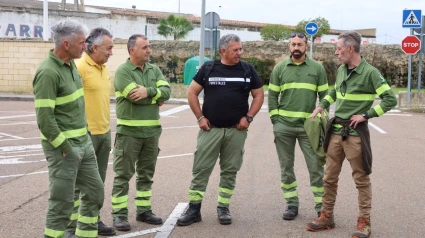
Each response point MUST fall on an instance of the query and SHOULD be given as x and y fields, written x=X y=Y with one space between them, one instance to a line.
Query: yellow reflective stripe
x=56 y=142
x=294 y=114
x=142 y=203
x=160 y=83
x=118 y=94
x=274 y=112
x=329 y=99
x=87 y=220
x=356 y=97
x=83 y=233
x=382 y=89
x=317 y=189
x=318 y=199
x=121 y=205
x=77 y=203
x=337 y=125
x=223 y=200
x=274 y=87
x=144 y=193
x=138 y=122
x=378 y=110
x=195 y=195
x=290 y=194
x=298 y=85
x=75 y=133
x=127 y=89
x=53 y=233
x=119 y=199
x=71 y=97
x=225 y=190
x=289 y=186
x=45 y=103
x=322 y=88
x=74 y=216
x=158 y=94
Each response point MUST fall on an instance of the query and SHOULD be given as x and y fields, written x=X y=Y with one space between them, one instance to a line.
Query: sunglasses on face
x=300 y=35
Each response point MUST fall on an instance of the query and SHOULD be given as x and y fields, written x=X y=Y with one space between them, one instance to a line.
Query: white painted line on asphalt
x=138 y=233
x=401 y=115
x=15 y=156
x=15 y=137
x=20 y=175
x=31 y=138
x=174 y=110
x=172 y=156
x=17 y=116
x=20 y=123
x=165 y=230
x=377 y=128
x=26 y=151
x=16 y=161
x=19 y=147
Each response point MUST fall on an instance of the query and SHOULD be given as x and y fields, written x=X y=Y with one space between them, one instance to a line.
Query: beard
x=297 y=54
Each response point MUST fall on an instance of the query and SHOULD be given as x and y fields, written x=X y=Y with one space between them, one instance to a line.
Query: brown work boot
x=324 y=222
x=363 y=228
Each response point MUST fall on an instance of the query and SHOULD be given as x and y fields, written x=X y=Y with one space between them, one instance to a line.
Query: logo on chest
x=217 y=81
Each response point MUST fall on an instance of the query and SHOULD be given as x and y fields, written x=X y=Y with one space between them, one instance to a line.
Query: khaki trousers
x=338 y=150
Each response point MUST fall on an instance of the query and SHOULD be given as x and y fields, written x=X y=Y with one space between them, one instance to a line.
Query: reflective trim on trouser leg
x=53 y=233
x=224 y=196
x=143 y=199
x=119 y=202
x=196 y=196
x=86 y=233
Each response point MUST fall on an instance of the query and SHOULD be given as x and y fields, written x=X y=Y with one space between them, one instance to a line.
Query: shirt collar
x=359 y=69
x=90 y=61
x=307 y=61
x=134 y=67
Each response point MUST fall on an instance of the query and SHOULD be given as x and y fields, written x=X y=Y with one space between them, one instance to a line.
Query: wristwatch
x=249 y=118
x=365 y=115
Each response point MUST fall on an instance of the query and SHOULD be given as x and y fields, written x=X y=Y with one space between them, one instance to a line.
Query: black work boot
x=121 y=224
x=290 y=213
x=104 y=230
x=70 y=234
x=224 y=215
x=192 y=214
x=149 y=217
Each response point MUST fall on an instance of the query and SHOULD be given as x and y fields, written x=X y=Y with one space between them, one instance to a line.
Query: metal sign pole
x=409 y=76
x=311 y=47
x=421 y=38
x=202 y=42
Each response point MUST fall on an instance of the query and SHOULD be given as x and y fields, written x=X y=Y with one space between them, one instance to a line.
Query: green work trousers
x=285 y=139
x=228 y=143
x=102 y=148
x=133 y=155
x=78 y=168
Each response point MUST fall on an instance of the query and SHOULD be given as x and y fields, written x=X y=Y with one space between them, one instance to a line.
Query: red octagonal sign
x=411 y=45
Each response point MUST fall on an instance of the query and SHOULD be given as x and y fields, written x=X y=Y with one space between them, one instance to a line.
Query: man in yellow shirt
x=97 y=89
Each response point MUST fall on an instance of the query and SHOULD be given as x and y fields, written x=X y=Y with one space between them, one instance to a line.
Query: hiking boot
x=70 y=234
x=363 y=229
x=324 y=222
x=149 y=217
x=104 y=230
x=224 y=215
x=121 y=224
x=192 y=214
x=290 y=213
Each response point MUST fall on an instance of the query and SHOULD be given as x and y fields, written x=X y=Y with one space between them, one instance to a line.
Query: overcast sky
x=384 y=15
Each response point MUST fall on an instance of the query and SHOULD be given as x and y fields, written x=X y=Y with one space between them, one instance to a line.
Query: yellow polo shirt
x=97 y=88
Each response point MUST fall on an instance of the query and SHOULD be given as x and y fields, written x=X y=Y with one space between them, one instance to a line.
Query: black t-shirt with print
x=226 y=93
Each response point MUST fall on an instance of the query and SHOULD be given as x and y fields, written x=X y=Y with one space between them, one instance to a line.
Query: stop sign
x=411 y=45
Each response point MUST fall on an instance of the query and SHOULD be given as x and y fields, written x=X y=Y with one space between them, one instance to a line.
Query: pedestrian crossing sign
x=412 y=18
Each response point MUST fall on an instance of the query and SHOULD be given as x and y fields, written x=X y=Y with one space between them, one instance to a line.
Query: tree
x=178 y=27
x=323 y=24
x=275 y=32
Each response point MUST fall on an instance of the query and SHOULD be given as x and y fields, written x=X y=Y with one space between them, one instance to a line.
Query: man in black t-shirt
x=223 y=120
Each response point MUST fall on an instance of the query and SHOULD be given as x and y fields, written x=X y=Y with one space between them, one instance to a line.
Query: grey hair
x=96 y=38
x=224 y=41
x=66 y=28
x=132 y=41
x=351 y=38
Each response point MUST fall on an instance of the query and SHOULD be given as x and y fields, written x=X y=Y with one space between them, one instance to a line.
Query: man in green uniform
x=97 y=90
x=59 y=105
x=297 y=81
x=347 y=135
x=140 y=89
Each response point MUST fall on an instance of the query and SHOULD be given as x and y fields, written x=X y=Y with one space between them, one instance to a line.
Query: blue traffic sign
x=311 y=28
x=412 y=18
